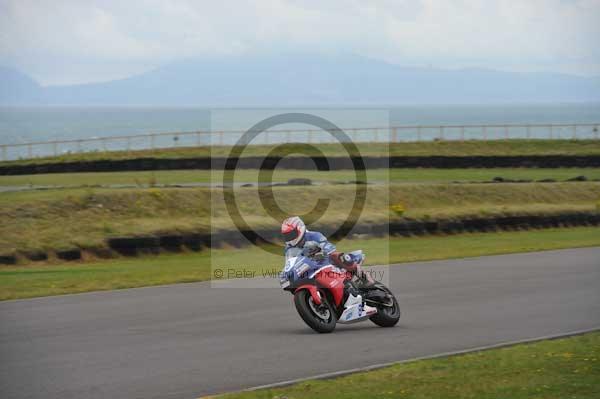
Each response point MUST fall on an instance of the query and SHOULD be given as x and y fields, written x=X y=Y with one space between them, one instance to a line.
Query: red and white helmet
x=293 y=230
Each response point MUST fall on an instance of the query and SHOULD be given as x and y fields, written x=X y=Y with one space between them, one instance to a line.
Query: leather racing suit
x=328 y=252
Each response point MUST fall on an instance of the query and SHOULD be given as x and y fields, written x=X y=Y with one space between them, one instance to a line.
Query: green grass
x=551 y=369
x=60 y=219
x=43 y=280
x=450 y=148
x=149 y=178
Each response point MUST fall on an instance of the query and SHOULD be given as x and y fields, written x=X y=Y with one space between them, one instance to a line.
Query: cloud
x=554 y=35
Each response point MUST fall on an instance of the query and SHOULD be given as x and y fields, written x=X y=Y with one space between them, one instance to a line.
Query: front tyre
x=320 y=318
x=387 y=316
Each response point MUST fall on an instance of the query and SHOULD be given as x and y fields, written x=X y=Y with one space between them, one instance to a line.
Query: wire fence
x=393 y=134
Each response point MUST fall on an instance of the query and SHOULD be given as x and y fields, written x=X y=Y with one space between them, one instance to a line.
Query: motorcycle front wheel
x=321 y=318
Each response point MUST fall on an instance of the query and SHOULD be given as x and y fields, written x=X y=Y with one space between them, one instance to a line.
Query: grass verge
x=63 y=219
x=34 y=281
x=400 y=175
x=561 y=368
x=447 y=148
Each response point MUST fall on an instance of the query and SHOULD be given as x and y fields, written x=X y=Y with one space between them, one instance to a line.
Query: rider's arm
x=335 y=257
x=290 y=252
x=326 y=247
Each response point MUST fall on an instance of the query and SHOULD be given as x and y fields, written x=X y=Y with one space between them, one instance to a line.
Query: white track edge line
x=342 y=373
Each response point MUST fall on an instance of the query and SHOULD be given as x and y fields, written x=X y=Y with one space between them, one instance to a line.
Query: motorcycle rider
x=298 y=238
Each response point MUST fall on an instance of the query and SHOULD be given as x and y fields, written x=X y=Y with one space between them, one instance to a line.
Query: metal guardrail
x=394 y=134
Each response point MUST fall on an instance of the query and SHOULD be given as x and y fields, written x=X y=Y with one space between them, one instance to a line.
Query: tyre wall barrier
x=134 y=246
x=69 y=254
x=8 y=259
x=307 y=163
x=35 y=256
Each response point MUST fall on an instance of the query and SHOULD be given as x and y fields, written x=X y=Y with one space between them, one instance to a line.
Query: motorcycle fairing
x=302 y=272
x=356 y=313
x=333 y=279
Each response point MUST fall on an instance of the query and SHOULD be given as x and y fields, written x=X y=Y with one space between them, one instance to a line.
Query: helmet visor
x=290 y=235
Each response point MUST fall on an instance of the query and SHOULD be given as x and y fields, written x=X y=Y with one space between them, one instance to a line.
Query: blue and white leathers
x=327 y=248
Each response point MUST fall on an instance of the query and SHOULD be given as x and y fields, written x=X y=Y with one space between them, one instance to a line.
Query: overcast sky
x=62 y=41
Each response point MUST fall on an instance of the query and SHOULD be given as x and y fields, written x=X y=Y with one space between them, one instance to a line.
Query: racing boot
x=363 y=279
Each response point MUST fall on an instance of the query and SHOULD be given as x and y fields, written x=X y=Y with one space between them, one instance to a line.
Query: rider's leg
x=364 y=276
x=357 y=270
x=345 y=262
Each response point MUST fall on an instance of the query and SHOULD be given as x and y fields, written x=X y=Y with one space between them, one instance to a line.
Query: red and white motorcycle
x=325 y=295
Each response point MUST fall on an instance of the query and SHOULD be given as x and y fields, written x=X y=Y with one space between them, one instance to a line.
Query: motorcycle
x=325 y=295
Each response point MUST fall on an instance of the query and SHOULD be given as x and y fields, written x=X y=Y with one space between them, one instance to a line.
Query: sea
x=20 y=125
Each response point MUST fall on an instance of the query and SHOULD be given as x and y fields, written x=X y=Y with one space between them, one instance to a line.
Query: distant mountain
x=17 y=88
x=304 y=80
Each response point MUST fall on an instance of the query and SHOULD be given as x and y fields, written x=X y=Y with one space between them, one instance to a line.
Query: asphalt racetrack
x=188 y=340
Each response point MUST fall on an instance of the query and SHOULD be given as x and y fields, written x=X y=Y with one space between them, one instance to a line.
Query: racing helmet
x=293 y=230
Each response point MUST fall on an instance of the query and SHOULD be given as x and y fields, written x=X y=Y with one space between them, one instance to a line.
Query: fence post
x=485 y=136
x=574 y=132
x=395 y=134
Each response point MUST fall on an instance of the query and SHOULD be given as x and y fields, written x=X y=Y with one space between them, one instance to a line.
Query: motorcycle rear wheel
x=321 y=318
x=387 y=316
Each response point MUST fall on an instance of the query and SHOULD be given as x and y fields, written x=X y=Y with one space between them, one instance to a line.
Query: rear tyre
x=320 y=318
x=387 y=316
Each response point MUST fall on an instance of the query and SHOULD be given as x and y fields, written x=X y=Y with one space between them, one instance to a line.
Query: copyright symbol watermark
x=342 y=227
x=218 y=273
